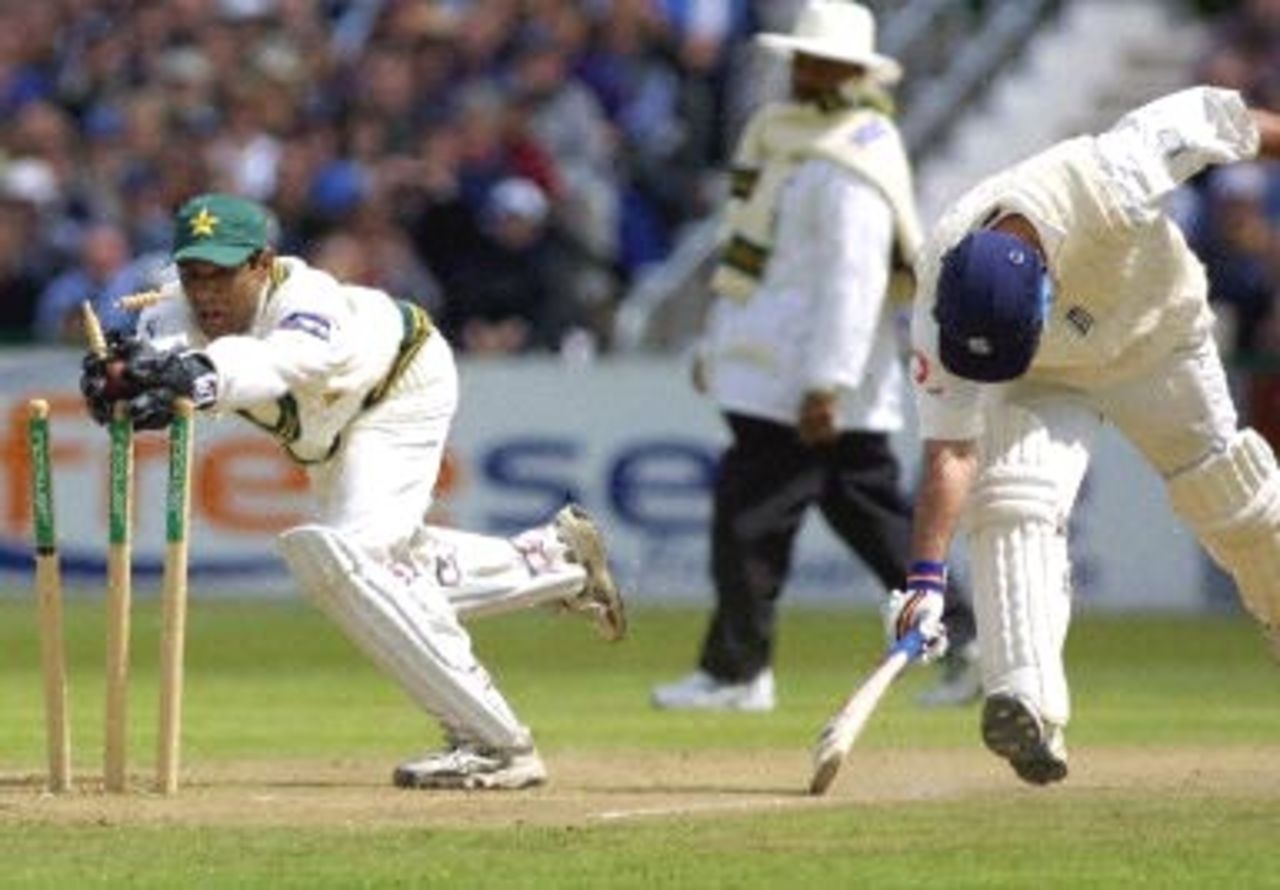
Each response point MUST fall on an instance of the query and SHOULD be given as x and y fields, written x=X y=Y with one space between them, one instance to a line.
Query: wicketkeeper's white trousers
x=405 y=583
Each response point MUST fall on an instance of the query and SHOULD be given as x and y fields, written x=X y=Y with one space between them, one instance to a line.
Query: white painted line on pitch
x=704 y=807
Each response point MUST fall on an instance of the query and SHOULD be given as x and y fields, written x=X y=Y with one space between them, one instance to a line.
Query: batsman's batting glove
x=163 y=376
x=919 y=607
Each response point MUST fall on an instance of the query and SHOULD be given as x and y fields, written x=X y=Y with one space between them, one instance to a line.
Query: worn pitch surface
x=616 y=786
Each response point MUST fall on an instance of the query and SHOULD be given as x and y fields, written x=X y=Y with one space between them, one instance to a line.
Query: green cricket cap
x=221 y=229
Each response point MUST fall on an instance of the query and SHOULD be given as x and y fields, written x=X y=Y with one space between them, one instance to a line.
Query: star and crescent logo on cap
x=203 y=224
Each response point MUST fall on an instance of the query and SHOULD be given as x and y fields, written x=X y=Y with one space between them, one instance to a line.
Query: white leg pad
x=1232 y=502
x=1017 y=517
x=409 y=630
x=483 y=575
x=1021 y=635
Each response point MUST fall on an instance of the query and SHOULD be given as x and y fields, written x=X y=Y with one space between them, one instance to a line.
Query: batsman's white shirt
x=1129 y=291
x=819 y=318
x=314 y=352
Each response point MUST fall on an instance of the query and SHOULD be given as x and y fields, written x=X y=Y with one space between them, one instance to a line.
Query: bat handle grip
x=912 y=645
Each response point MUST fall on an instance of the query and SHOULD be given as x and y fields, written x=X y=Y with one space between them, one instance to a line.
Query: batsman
x=360 y=390
x=1057 y=296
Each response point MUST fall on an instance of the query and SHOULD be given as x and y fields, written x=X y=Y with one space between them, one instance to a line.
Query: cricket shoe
x=700 y=691
x=961 y=680
x=470 y=767
x=1036 y=750
x=600 y=597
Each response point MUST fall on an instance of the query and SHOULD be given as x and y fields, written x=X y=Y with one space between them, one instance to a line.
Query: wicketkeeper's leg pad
x=407 y=628
x=1232 y=502
x=1017 y=518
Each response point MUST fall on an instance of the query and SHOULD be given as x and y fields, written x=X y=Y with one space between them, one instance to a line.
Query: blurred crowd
x=510 y=164
x=1233 y=215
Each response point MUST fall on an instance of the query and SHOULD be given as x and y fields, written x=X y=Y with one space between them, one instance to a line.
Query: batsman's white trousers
x=1034 y=453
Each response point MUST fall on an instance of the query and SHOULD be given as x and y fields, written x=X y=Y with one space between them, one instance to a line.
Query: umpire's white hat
x=843 y=31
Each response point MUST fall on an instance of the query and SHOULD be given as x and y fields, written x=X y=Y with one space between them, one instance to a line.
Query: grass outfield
x=290 y=738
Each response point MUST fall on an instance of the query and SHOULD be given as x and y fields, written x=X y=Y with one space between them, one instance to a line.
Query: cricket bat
x=843 y=729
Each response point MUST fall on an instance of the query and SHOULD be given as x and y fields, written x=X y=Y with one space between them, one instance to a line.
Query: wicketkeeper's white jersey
x=315 y=351
x=1128 y=288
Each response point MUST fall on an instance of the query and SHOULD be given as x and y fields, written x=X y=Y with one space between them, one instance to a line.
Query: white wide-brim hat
x=845 y=32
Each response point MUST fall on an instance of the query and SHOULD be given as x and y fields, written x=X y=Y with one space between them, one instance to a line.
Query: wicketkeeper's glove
x=919 y=607
x=103 y=380
x=163 y=376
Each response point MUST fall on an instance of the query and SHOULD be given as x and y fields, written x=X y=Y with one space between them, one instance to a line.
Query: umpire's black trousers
x=767 y=480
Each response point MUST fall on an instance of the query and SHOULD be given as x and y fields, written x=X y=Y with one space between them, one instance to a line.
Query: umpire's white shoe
x=600 y=597
x=702 y=692
x=960 y=682
x=1035 y=749
x=471 y=767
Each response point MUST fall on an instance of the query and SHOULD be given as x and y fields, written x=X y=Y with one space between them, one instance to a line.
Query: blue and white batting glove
x=920 y=607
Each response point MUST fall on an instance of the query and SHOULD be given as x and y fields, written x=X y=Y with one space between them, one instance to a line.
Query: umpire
x=802 y=357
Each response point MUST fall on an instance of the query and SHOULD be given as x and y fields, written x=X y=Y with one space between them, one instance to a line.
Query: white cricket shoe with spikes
x=700 y=691
x=471 y=767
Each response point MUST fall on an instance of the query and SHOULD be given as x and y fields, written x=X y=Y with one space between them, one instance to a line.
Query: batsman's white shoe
x=471 y=767
x=702 y=692
x=1036 y=750
x=600 y=597
x=960 y=682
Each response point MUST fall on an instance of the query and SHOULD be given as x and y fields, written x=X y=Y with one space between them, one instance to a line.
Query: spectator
x=567 y=121
x=20 y=281
x=506 y=303
x=492 y=146
x=103 y=254
x=640 y=92
x=702 y=32
x=1240 y=247
x=427 y=190
x=1244 y=52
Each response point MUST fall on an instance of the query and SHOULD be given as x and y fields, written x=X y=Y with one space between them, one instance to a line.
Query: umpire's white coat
x=820 y=318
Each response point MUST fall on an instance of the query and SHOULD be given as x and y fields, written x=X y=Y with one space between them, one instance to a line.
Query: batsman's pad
x=483 y=575
x=1017 y=517
x=408 y=629
x=1232 y=502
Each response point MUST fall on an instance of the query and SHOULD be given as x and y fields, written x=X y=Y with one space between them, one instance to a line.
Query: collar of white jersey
x=1051 y=237
x=281 y=269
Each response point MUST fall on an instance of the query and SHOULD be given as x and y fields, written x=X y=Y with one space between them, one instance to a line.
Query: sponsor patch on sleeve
x=869 y=132
x=309 y=323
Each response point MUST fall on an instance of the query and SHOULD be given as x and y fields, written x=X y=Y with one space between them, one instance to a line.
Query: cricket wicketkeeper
x=1054 y=297
x=359 y=389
